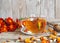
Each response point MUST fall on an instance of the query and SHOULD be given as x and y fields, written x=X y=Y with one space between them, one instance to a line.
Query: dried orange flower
x=27 y=40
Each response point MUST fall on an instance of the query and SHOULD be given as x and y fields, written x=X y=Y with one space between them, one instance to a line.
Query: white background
x=27 y=8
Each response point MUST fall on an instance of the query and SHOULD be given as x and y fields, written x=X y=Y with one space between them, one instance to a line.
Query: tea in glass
x=35 y=25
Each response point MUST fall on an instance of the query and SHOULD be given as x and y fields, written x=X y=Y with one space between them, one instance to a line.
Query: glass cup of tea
x=34 y=24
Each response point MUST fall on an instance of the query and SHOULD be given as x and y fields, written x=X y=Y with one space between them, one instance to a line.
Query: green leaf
x=21 y=18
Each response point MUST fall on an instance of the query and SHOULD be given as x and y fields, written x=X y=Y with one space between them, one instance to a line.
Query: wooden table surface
x=14 y=35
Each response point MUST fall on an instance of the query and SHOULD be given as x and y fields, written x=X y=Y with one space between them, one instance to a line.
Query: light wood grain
x=26 y=8
x=58 y=9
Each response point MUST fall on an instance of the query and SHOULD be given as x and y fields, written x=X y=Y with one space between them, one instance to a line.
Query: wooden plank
x=26 y=8
x=58 y=9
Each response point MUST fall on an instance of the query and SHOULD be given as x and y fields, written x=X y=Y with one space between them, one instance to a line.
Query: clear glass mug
x=34 y=24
